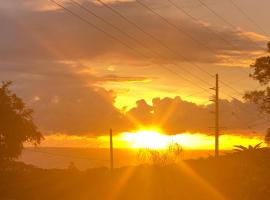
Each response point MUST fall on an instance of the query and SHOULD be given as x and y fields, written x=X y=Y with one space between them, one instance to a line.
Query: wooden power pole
x=111 y=149
x=216 y=112
x=217 y=117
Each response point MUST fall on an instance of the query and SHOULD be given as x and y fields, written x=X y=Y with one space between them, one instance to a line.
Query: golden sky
x=81 y=81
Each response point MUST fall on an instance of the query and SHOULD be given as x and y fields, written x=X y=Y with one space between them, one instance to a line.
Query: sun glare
x=146 y=139
x=156 y=139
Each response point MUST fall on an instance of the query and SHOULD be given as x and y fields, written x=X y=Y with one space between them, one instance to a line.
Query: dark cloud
x=175 y=116
x=64 y=101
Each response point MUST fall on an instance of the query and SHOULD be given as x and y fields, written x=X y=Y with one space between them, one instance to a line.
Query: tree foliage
x=16 y=124
x=261 y=73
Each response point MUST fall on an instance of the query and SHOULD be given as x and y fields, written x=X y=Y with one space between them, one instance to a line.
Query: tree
x=261 y=97
x=16 y=124
x=262 y=74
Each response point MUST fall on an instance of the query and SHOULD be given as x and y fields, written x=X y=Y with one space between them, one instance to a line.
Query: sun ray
x=202 y=183
x=119 y=183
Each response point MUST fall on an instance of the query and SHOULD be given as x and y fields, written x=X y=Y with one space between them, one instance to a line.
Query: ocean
x=86 y=158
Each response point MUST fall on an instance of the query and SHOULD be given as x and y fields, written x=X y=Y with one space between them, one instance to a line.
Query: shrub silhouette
x=250 y=148
x=170 y=155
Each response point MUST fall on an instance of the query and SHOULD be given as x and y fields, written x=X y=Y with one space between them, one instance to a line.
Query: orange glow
x=155 y=139
x=152 y=138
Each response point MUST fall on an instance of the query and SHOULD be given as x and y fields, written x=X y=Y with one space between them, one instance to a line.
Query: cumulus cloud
x=175 y=115
x=64 y=101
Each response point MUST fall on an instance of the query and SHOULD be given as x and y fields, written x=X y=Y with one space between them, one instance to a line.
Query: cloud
x=55 y=34
x=111 y=1
x=23 y=5
x=42 y=49
x=175 y=115
x=115 y=78
x=64 y=100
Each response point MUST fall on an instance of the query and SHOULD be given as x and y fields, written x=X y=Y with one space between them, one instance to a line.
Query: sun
x=150 y=138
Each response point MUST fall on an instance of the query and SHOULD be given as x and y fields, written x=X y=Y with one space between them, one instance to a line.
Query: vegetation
x=249 y=149
x=236 y=176
x=261 y=73
x=170 y=155
x=17 y=126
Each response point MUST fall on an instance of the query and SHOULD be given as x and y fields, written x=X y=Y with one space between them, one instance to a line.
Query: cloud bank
x=69 y=102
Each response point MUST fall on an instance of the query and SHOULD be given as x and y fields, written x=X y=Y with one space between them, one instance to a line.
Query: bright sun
x=147 y=139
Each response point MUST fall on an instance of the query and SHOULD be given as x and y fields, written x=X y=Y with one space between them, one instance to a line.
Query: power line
x=223 y=19
x=109 y=35
x=168 y=22
x=195 y=5
x=153 y=37
x=180 y=8
x=94 y=26
x=212 y=31
x=178 y=28
x=244 y=13
x=139 y=28
x=187 y=34
x=167 y=68
x=195 y=93
x=110 y=24
x=131 y=37
x=121 y=41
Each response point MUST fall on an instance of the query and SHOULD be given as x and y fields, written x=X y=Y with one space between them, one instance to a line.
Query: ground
x=238 y=176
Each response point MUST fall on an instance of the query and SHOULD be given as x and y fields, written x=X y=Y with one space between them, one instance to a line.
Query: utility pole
x=217 y=117
x=216 y=112
x=111 y=150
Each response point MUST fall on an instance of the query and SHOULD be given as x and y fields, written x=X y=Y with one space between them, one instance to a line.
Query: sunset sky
x=139 y=72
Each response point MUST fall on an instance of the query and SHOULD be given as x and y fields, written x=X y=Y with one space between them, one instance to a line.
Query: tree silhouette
x=16 y=124
x=261 y=97
x=262 y=74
